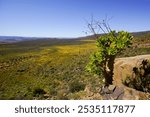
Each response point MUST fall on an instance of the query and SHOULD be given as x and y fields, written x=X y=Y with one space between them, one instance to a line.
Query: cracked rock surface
x=112 y=92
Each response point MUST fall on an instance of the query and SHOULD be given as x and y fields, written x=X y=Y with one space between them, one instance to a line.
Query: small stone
x=111 y=87
x=118 y=93
x=46 y=95
x=105 y=90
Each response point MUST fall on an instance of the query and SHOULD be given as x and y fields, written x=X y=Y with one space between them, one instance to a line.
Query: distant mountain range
x=13 y=39
x=141 y=33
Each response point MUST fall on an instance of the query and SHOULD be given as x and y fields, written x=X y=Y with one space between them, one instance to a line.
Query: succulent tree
x=109 y=45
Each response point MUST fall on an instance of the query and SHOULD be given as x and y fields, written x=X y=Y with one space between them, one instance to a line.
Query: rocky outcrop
x=112 y=92
x=123 y=69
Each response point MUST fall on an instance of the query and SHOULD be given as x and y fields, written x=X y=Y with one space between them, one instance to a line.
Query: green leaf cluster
x=112 y=43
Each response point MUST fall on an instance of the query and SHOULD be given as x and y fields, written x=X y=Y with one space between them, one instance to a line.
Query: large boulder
x=124 y=68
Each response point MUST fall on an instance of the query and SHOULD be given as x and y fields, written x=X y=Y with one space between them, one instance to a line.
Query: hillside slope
x=54 y=68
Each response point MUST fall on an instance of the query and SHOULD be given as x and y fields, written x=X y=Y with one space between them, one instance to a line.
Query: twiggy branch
x=96 y=26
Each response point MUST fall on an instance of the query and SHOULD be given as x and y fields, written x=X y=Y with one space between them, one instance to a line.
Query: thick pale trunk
x=108 y=78
x=108 y=72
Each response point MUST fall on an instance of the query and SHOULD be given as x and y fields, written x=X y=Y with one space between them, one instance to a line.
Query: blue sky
x=66 y=18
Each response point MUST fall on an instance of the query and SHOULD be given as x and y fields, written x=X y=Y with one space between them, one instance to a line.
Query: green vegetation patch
x=49 y=69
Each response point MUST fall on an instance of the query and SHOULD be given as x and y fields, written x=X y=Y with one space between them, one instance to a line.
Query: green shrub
x=52 y=91
x=76 y=86
x=38 y=91
x=109 y=45
x=141 y=79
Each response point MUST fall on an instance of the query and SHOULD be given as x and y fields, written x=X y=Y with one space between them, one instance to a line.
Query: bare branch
x=100 y=26
x=96 y=26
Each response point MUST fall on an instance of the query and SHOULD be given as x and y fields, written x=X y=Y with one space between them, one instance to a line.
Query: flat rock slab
x=112 y=93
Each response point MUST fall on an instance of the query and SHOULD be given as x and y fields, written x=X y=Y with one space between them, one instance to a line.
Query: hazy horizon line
x=62 y=37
